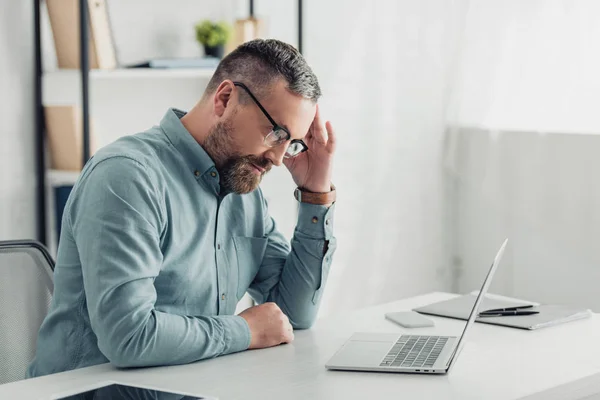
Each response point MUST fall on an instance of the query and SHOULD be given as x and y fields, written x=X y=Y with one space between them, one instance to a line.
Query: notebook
x=549 y=314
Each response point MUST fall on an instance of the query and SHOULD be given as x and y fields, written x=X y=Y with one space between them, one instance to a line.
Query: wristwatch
x=305 y=196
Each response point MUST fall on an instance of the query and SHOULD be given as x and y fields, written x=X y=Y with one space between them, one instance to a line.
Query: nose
x=275 y=154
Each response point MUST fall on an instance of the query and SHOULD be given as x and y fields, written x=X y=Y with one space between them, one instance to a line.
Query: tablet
x=120 y=391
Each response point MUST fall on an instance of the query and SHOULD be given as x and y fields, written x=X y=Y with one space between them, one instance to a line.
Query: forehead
x=289 y=110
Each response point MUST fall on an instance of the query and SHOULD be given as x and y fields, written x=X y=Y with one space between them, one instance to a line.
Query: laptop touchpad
x=361 y=353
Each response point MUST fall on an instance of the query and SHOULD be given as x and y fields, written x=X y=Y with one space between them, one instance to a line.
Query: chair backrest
x=26 y=286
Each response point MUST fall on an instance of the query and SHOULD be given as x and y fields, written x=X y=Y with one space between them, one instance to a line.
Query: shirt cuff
x=315 y=220
x=236 y=333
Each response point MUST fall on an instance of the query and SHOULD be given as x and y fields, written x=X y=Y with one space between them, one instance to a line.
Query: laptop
x=416 y=354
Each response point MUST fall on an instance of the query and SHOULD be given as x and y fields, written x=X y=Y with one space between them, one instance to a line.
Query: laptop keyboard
x=415 y=351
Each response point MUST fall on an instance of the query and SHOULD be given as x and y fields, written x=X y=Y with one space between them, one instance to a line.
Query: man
x=166 y=230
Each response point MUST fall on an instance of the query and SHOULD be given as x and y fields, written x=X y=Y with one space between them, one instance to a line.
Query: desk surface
x=496 y=363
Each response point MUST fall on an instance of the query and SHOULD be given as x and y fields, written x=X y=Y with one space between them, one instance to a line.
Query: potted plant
x=213 y=36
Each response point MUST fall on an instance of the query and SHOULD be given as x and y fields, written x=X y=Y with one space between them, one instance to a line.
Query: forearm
x=148 y=338
x=303 y=277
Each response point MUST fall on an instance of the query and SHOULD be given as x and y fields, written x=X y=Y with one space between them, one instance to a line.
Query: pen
x=506 y=313
x=508 y=308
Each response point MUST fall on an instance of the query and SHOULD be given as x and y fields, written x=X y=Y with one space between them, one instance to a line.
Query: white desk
x=561 y=362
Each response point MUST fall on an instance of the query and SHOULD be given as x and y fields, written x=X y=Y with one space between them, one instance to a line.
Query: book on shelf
x=64 y=131
x=64 y=21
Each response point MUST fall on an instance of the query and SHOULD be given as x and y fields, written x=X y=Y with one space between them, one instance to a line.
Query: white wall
x=542 y=191
x=17 y=165
x=385 y=68
x=529 y=66
x=528 y=80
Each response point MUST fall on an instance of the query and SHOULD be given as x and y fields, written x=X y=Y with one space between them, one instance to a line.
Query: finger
x=288 y=162
x=289 y=337
x=331 y=138
x=286 y=328
x=318 y=131
x=286 y=336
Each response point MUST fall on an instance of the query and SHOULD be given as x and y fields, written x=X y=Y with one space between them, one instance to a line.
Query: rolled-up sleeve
x=117 y=222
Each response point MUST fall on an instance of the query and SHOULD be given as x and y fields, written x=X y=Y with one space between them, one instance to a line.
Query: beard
x=236 y=171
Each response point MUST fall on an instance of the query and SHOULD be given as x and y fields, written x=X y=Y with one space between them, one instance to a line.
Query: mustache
x=259 y=162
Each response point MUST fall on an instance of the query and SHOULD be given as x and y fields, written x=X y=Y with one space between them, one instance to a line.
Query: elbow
x=303 y=326
x=126 y=353
x=304 y=323
x=130 y=345
x=121 y=362
x=127 y=360
x=122 y=359
x=113 y=356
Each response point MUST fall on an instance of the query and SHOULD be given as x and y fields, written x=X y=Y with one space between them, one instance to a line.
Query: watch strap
x=305 y=196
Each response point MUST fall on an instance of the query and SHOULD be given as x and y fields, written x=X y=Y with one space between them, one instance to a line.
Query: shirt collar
x=194 y=155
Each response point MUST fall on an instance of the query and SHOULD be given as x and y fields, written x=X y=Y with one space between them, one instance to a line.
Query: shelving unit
x=81 y=86
x=63 y=86
x=56 y=177
x=115 y=111
x=68 y=75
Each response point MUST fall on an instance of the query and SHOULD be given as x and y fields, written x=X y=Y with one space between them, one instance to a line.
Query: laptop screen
x=480 y=296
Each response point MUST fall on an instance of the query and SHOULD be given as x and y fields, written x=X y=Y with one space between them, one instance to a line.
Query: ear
x=222 y=97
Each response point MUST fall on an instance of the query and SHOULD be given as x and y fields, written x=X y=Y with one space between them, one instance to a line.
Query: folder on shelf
x=64 y=131
x=64 y=21
x=549 y=314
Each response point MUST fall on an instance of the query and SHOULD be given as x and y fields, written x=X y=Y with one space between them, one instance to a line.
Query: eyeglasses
x=279 y=135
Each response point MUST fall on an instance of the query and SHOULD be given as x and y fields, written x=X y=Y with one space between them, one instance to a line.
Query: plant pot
x=214 y=51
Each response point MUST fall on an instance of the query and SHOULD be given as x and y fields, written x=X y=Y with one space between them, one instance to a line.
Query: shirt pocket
x=249 y=253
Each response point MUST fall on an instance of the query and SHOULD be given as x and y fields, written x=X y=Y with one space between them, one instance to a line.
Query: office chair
x=26 y=286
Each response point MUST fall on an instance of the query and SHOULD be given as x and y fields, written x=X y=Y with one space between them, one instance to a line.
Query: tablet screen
x=123 y=392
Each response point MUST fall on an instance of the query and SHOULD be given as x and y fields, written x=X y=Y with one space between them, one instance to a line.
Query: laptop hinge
x=457 y=349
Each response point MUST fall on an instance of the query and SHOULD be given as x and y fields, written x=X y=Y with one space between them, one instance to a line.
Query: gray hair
x=261 y=62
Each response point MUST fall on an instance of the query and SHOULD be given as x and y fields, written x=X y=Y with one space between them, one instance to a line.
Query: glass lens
x=276 y=137
x=294 y=149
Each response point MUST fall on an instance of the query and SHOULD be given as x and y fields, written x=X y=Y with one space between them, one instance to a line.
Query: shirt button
x=327 y=222
x=219 y=246
x=315 y=220
x=213 y=174
x=197 y=173
x=223 y=296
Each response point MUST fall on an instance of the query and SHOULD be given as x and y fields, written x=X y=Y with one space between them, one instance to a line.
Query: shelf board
x=121 y=86
x=134 y=73
x=57 y=177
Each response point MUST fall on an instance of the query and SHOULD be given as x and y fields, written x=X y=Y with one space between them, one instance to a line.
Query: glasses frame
x=276 y=126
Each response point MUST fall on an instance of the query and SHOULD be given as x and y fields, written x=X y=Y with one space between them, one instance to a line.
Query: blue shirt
x=153 y=259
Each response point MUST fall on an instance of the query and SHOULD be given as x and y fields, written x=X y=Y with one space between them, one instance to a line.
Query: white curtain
x=529 y=66
x=384 y=68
